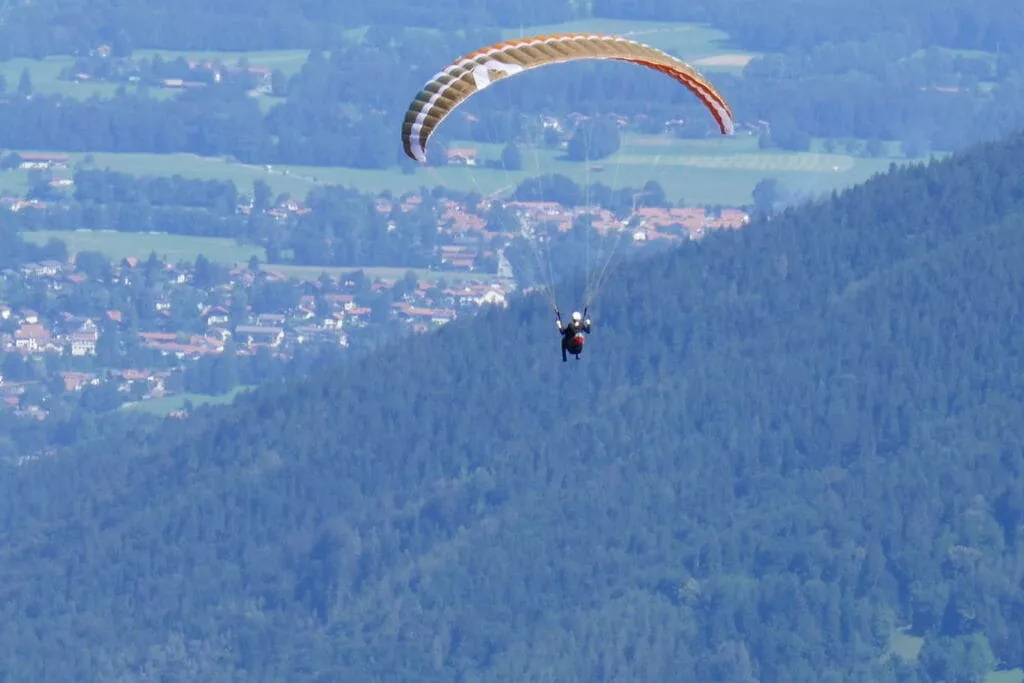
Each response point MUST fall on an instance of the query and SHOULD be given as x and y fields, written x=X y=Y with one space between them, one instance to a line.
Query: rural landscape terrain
x=278 y=402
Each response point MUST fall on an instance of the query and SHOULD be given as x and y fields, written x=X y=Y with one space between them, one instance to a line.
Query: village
x=170 y=315
x=211 y=326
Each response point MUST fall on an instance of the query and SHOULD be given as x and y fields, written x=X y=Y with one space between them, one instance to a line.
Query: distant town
x=159 y=317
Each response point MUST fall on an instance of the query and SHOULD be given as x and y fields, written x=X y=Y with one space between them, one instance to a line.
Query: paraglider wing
x=479 y=69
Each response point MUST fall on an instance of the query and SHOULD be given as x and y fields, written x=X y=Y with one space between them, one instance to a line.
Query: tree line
x=44 y=29
x=342 y=227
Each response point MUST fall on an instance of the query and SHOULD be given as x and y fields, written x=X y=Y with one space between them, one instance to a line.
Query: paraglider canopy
x=479 y=69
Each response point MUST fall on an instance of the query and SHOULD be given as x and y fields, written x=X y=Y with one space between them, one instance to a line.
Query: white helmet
x=576 y=317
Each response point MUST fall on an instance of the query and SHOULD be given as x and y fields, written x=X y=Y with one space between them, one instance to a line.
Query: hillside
x=781 y=445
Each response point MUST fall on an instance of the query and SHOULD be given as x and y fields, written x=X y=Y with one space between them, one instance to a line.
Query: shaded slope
x=780 y=443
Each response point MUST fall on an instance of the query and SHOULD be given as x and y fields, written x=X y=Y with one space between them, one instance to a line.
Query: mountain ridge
x=770 y=456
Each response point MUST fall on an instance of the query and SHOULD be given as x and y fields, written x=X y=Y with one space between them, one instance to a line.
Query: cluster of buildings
x=469 y=237
x=328 y=316
x=327 y=312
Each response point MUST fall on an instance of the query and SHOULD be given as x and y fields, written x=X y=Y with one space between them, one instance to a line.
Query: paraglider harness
x=572 y=334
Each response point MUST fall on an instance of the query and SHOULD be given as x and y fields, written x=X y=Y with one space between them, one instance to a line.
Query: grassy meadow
x=172 y=248
x=908 y=647
x=45 y=73
x=288 y=61
x=711 y=171
x=176 y=248
x=310 y=273
x=45 y=76
x=169 y=404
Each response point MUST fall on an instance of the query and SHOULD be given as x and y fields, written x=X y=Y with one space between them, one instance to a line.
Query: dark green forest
x=781 y=444
x=274 y=24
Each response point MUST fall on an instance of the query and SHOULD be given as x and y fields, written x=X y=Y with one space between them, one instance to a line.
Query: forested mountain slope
x=781 y=444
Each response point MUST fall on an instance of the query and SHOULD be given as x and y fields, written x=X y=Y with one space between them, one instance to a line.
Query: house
x=219 y=335
x=359 y=315
x=346 y=301
x=303 y=313
x=134 y=376
x=82 y=345
x=334 y=321
x=461 y=156
x=31 y=338
x=440 y=316
x=43 y=161
x=259 y=335
x=76 y=381
x=492 y=297
x=47 y=268
x=307 y=334
x=270 y=320
x=419 y=316
x=180 y=345
x=217 y=315
x=83 y=342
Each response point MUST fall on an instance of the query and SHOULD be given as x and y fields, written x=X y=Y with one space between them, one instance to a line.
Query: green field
x=172 y=248
x=922 y=53
x=45 y=79
x=310 y=273
x=906 y=646
x=170 y=404
x=175 y=248
x=44 y=74
x=712 y=171
x=288 y=61
x=15 y=183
